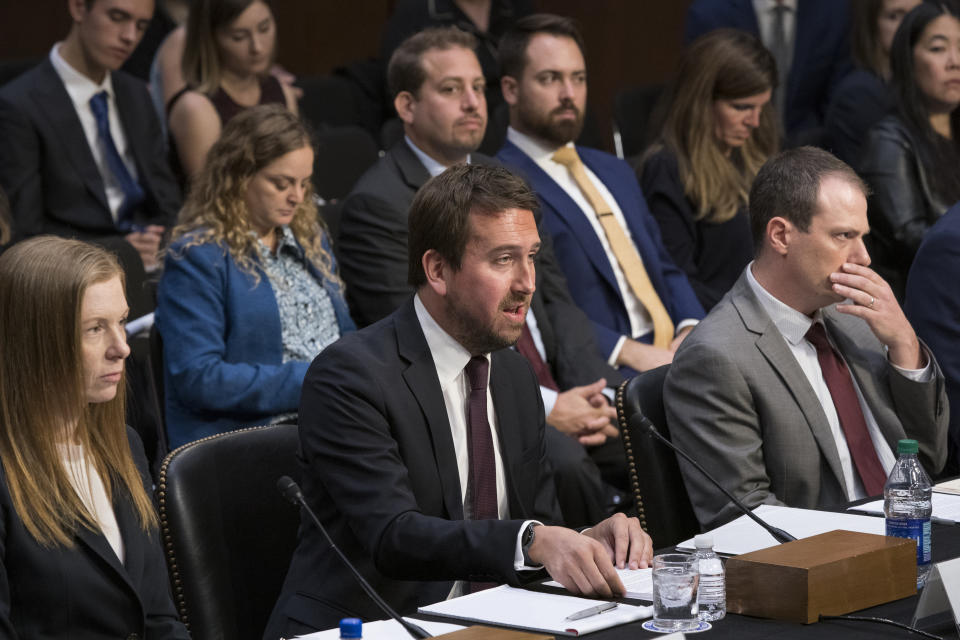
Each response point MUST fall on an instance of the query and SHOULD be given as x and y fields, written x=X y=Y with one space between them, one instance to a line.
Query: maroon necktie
x=482 y=481
x=528 y=350
x=837 y=377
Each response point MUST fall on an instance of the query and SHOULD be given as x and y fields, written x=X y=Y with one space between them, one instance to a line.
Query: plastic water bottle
x=351 y=628
x=712 y=593
x=907 y=504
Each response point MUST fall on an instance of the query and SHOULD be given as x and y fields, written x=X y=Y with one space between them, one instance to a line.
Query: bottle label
x=917 y=529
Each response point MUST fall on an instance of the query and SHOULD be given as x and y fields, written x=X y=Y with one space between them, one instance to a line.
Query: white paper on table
x=535 y=611
x=743 y=535
x=950 y=486
x=639 y=583
x=386 y=630
x=945 y=506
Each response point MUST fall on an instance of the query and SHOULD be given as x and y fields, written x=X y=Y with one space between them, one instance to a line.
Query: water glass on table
x=675 y=580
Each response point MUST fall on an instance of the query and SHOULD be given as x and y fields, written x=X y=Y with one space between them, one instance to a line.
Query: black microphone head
x=289 y=489
x=640 y=421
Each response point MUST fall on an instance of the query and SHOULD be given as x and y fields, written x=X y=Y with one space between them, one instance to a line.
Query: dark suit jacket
x=933 y=306
x=47 y=168
x=712 y=255
x=821 y=51
x=738 y=401
x=380 y=470
x=581 y=256
x=372 y=249
x=84 y=592
x=903 y=203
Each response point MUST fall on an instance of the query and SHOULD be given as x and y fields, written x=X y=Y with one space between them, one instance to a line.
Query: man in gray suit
x=761 y=392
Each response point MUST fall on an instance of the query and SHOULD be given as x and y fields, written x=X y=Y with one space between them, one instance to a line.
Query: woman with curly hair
x=249 y=294
x=720 y=129
x=80 y=553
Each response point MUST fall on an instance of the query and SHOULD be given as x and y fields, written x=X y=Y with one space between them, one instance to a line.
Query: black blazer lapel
x=421 y=379
x=508 y=432
x=52 y=100
x=98 y=546
x=133 y=128
x=411 y=170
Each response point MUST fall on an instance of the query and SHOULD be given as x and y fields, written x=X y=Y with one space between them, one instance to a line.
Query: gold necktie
x=622 y=248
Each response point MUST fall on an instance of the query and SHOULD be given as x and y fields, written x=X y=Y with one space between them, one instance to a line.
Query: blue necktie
x=132 y=193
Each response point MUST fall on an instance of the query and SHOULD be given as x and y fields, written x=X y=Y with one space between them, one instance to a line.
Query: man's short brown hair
x=512 y=50
x=405 y=70
x=439 y=217
x=788 y=186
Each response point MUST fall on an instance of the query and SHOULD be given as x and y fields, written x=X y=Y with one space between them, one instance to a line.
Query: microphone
x=291 y=491
x=638 y=420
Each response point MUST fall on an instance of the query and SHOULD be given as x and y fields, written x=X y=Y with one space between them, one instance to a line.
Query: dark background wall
x=629 y=42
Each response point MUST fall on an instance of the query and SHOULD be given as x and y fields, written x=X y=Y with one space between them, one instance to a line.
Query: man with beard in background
x=606 y=241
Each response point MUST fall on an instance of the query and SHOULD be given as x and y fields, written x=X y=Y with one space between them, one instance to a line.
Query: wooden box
x=832 y=574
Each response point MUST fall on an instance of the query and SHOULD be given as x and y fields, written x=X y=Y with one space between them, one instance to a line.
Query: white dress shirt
x=640 y=321
x=450 y=359
x=793 y=326
x=89 y=487
x=764 y=10
x=81 y=89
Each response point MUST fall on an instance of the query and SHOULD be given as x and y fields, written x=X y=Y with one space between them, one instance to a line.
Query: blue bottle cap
x=351 y=628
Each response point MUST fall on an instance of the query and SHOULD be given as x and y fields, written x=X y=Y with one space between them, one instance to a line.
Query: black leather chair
x=343 y=155
x=659 y=494
x=638 y=114
x=228 y=533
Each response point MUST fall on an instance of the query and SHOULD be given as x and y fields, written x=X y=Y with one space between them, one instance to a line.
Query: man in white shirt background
x=84 y=155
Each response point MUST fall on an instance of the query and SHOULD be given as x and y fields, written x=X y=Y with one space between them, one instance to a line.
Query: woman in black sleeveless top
x=229 y=51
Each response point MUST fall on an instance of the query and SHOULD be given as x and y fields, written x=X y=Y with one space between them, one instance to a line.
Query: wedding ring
x=872 y=300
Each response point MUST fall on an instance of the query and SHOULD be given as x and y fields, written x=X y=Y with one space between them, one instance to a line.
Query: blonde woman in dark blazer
x=79 y=550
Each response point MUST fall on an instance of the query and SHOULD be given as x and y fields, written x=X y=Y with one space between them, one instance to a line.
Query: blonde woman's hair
x=42 y=391
x=725 y=64
x=201 y=65
x=216 y=209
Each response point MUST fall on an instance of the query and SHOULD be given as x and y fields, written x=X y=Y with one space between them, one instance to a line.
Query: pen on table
x=592 y=611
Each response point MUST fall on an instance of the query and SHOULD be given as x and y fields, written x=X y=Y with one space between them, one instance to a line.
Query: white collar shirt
x=764 y=10
x=449 y=359
x=81 y=89
x=793 y=326
x=433 y=167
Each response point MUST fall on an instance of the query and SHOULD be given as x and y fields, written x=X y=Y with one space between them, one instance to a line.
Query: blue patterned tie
x=132 y=192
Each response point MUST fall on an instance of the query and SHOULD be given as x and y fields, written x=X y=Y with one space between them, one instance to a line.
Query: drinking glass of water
x=675 y=579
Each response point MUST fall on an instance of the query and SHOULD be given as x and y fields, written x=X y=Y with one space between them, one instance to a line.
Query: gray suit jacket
x=737 y=400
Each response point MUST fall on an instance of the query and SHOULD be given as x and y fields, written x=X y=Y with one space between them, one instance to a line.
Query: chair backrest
x=659 y=493
x=636 y=117
x=228 y=533
x=343 y=155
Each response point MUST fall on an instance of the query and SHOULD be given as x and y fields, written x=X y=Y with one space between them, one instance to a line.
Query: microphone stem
x=779 y=534
x=294 y=494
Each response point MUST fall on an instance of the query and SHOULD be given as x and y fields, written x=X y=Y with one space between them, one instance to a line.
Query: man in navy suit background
x=933 y=306
x=815 y=56
x=84 y=155
x=605 y=239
